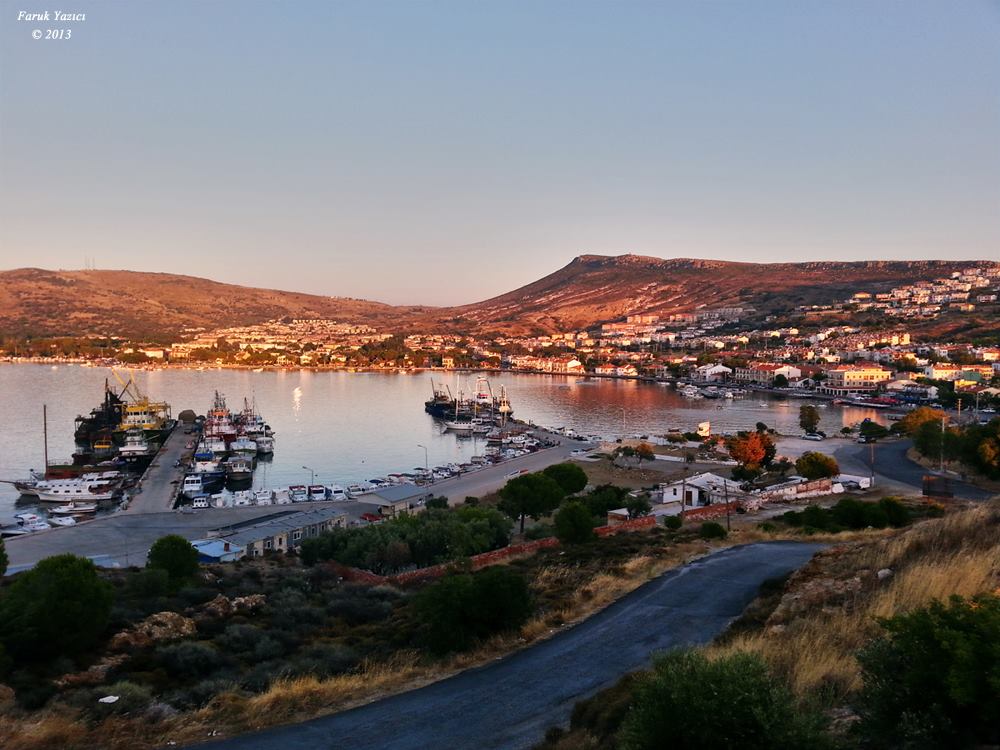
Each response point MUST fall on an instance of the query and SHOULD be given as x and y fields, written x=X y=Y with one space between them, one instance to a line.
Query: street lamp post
x=312 y=475
x=426 y=462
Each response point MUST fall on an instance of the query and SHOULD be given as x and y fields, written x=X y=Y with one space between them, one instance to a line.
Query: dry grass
x=959 y=554
x=590 y=590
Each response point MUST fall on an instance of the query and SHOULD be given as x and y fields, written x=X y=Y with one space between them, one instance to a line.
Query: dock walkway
x=160 y=482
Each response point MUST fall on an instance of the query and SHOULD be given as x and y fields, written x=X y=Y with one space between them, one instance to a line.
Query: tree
x=638 y=506
x=532 y=495
x=872 y=430
x=3 y=559
x=176 y=556
x=932 y=679
x=689 y=701
x=780 y=381
x=437 y=502
x=749 y=449
x=574 y=524
x=567 y=475
x=911 y=423
x=808 y=418
x=814 y=465
x=59 y=607
x=644 y=452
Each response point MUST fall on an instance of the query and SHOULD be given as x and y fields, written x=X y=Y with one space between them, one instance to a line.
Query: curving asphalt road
x=510 y=703
x=891 y=462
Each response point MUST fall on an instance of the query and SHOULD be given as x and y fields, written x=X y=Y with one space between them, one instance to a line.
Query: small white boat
x=242 y=498
x=336 y=492
x=317 y=492
x=60 y=493
x=360 y=489
x=263 y=497
x=298 y=493
x=219 y=500
x=282 y=497
x=74 y=509
x=265 y=444
x=63 y=520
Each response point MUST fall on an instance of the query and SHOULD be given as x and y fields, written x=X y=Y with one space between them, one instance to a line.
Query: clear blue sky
x=442 y=152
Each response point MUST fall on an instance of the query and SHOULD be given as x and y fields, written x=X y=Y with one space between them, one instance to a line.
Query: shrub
x=574 y=524
x=189 y=659
x=855 y=514
x=441 y=503
x=814 y=465
x=3 y=559
x=934 y=679
x=200 y=693
x=673 y=522
x=712 y=530
x=540 y=531
x=61 y=606
x=567 y=475
x=459 y=609
x=146 y=584
x=325 y=660
x=133 y=700
x=895 y=512
x=176 y=556
x=690 y=702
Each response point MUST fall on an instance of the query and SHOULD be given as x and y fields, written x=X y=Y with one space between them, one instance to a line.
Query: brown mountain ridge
x=589 y=290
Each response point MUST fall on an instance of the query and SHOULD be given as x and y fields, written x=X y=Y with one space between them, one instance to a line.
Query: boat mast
x=45 y=434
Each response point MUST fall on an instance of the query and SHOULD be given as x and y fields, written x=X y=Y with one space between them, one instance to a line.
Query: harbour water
x=344 y=427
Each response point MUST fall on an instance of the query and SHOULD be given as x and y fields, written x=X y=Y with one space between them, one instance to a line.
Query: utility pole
x=941 y=461
x=725 y=488
x=871 y=449
x=45 y=436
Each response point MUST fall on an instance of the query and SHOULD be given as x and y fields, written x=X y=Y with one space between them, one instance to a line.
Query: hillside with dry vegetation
x=590 y=290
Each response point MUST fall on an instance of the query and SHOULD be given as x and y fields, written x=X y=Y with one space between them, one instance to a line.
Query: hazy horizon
x=443 y=153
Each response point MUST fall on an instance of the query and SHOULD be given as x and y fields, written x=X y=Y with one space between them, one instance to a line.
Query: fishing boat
x=137 y=452
x=317 y=492
x=238 y=468
x=104 y=418
x=243 y=446
x=61 y=491
x=193 y=486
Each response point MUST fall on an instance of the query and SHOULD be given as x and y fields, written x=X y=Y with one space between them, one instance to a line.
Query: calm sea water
x=353 y=426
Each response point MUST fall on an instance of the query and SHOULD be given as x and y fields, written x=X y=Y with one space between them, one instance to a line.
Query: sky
x=439 y=152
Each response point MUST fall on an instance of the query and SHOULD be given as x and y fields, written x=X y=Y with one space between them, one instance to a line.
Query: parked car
x=812 y=436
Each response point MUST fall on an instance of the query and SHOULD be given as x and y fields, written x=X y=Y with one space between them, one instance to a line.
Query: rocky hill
x=597 y=288
x=591 y=289
x=153 y=305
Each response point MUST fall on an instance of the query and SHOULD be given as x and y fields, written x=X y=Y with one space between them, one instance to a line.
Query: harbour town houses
x=764 y=373
x=846 y=380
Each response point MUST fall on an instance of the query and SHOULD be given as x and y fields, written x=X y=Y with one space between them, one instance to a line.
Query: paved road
x=161 y=481
x=892 y=463
x=511 y=702
x=492 y=478
x=124 y=538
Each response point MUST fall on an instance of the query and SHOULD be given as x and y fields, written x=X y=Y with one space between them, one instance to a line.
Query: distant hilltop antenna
x=89 y=263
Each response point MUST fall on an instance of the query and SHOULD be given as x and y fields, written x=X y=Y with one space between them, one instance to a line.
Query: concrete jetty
x=157 y=489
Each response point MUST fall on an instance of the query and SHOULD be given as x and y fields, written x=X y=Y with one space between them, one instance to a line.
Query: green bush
x=573 y=523
x=567 y=475
x=540 y=531
x=175 y=555
x=59 y=607
x=934 y=679
x=459 y=609
x=712 y=530
x=189 y=659
x=732 y=702
x=146 y=584
x=133 y=700
x=673 y=522
x=895 y=512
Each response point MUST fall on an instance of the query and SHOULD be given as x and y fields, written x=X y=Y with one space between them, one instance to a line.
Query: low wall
x=710 y=512
x=635 y=524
